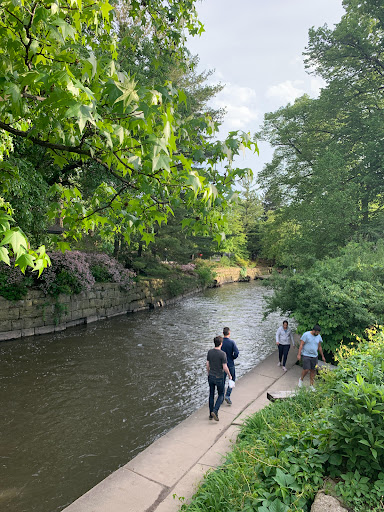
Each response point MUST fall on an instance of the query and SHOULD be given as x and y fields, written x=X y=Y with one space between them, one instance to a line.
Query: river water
x=77 y=405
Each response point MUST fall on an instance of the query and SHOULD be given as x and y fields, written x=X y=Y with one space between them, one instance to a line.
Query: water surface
x=79 y=404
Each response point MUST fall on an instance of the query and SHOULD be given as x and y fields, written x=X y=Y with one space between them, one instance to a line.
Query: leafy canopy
x=62 y=89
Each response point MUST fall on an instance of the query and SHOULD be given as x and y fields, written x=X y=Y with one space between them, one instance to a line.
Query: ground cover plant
x=286 y=451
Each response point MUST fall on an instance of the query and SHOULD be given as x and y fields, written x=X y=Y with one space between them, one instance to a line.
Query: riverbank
x=41 y=314
x=168 y=472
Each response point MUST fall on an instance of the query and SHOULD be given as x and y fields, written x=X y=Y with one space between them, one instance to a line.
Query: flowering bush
x=69 y=273
x=188 y=268
x=104 y=268
x=13 y=283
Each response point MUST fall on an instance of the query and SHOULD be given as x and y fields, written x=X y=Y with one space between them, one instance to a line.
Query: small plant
x=243 y=272
x=225 y=262
x=205 y=271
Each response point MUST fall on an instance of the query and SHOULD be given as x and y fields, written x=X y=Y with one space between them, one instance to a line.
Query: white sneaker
x=312 y=388
x=284 y=369
x=300 y=383
x=279 y=364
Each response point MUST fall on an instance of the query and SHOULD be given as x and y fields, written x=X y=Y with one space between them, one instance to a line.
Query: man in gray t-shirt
x=216 y=366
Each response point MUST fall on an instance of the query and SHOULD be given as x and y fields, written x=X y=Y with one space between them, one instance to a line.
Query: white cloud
x=240 y=105
x=316 y=84
x=286 y=92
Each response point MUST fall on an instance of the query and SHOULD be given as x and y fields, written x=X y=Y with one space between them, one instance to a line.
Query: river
x=77 y=405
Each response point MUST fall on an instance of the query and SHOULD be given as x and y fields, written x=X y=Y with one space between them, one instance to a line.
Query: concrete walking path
x=173 y=466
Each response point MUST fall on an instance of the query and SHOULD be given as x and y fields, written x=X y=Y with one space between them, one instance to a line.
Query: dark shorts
x=309 y=363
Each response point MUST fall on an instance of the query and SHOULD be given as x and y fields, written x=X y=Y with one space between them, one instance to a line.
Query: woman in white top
x=284 y=339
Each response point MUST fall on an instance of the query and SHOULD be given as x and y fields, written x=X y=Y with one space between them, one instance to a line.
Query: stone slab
x=123 y=491
x=165 y=461
x=10 y=335
x=215 y=456
x=183 y=491
x=280 y=395
x=198 y=431
x=254 y=407
x=325 y=366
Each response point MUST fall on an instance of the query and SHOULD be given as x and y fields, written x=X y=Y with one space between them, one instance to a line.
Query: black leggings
x=283 y=353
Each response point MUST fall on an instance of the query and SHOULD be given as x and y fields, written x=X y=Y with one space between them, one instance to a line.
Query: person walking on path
x=216 y=366
x=310 y=345
x=284 y=339
x=232 y=352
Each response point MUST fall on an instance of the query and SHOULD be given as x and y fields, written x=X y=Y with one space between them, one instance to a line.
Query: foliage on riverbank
x=344 y=294
x=75 y=271
x=285 y=451
x=69 y=273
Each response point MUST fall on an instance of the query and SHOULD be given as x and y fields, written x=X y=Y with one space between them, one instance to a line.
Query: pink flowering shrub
x=188 y=268
x=13 y=283
x=105 y=268
x=69 y=273
x=75 y=271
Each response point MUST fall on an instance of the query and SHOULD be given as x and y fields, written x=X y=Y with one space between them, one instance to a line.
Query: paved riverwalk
x=174 y=465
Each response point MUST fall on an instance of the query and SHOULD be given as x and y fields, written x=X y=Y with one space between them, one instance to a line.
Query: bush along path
x=286 y=451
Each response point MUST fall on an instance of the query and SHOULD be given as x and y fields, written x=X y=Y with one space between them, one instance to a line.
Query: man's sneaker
x=228 y=400
x=284 y=369
x=279 y=364
x=210 y=415
x=312 y=388
x=214 y=416
x=300 y=383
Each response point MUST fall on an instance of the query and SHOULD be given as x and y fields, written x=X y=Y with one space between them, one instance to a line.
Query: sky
x=255 y=48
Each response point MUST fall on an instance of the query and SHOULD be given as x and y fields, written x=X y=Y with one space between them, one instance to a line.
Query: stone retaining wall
x=233 y=274
x=41 y=314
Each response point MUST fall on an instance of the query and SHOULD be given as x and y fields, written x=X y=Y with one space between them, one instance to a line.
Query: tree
x=252 y=211
x=326 y=176
x=62 y=90
x=344 y=294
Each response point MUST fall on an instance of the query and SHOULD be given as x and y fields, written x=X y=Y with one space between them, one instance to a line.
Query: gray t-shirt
x=216 y=359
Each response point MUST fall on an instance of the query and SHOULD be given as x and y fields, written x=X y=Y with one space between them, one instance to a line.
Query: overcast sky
x=255 y=48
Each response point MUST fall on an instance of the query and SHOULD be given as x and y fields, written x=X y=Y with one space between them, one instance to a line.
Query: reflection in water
x=77 y=405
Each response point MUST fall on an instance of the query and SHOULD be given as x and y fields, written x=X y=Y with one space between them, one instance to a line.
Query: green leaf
x=4 y=255
x=16 y=239
x=335 y=459
x=66 y=29
x=105 y=8
x=24 y=260
x=63 y=246
x=161 y=161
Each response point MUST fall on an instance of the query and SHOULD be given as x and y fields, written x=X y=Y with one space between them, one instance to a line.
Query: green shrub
x=100 y=274
x=205 y=272
x=243 y=272
x=344 y=295
x=66 y=283
x=225 y=262
x=178 y=285
x=13 y=283
x=240 y=262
